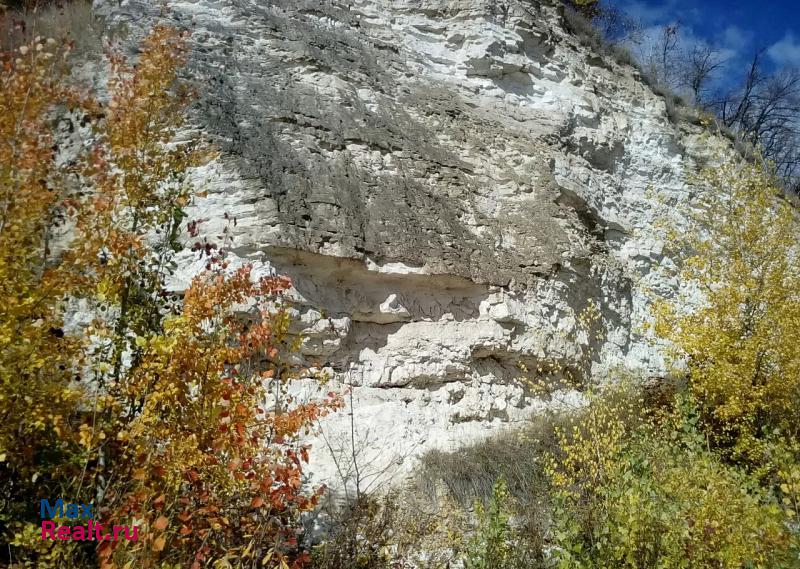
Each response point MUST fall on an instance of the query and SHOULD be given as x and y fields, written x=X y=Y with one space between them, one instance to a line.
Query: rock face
x=450 y=184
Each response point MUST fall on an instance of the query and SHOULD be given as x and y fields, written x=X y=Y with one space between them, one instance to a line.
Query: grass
x=73 y=22
x=470 y=473
x=518 y=456
x=591 y=36
x=427 y=522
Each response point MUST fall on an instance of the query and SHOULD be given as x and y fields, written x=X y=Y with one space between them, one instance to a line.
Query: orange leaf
x=257 y=502
x=159 y=543
x=105 y=550
x=161 y=523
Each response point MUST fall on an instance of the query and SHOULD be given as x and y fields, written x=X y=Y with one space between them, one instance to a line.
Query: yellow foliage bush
x=740 y=343
x=709 y=479
x=38 y=361
x=183 y=425
x=640 y=494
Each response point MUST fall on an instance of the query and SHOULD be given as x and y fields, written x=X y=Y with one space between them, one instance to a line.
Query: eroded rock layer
x=450 y=184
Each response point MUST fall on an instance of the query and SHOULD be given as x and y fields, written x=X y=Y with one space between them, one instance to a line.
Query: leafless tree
x=669 y=44
x=660 y=55
x=616 y=26
x=358 y=463
x=699 y=67
x=765 y=111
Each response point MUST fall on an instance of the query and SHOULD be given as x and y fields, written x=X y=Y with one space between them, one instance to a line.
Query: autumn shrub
x=739 y=336
x=631 y=481
x=361 y=535
x=656 y=496
x=698 y=474
x=169 y=414
x=38 y=398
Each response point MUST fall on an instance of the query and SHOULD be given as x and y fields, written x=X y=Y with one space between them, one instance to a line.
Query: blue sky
x=737 y=27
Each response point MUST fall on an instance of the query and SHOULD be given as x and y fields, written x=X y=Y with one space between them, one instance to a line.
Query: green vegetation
x=699 y=471
x=653 y=494
x=741 y=343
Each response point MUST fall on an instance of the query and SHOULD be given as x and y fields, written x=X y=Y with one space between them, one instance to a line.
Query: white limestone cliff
x=449 y=184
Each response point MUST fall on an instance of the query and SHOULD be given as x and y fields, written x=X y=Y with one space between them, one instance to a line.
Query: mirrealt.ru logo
x=61 y=511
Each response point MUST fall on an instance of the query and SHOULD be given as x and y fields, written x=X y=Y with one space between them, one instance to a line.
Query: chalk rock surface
x=451 y=185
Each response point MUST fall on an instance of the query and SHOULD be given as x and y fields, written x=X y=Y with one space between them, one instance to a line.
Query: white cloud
x=735 y=38
x=649 y=15
x=664 y=12
x=786 y=53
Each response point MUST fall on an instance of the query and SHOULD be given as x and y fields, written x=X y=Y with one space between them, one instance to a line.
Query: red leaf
x=158 y=503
